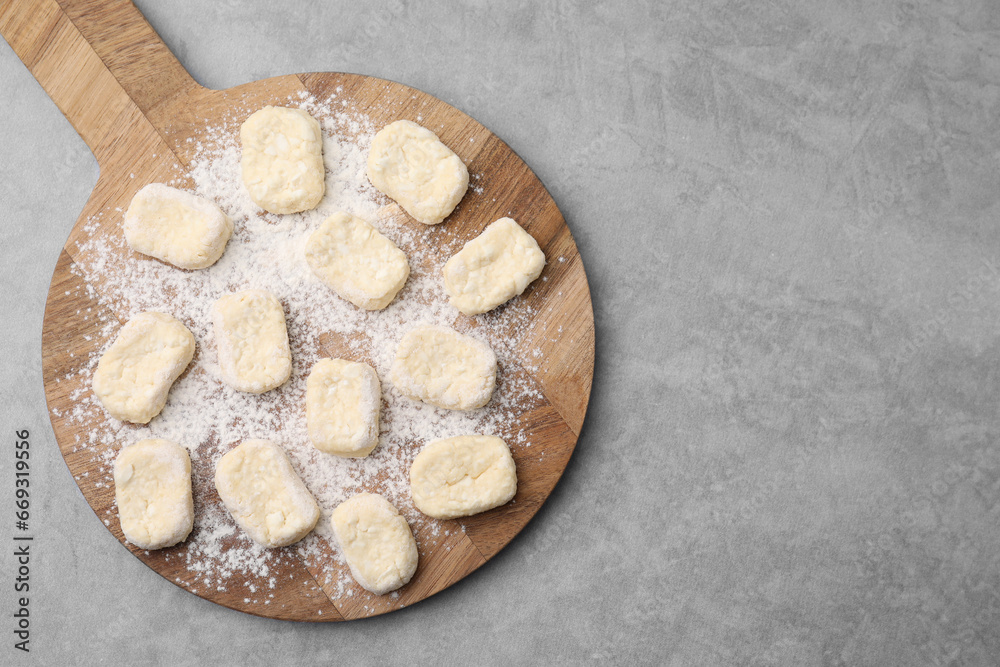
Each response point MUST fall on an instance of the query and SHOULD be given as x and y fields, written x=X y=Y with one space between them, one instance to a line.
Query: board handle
x=101 y=63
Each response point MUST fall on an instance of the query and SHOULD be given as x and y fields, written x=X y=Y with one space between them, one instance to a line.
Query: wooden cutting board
x=142 y=115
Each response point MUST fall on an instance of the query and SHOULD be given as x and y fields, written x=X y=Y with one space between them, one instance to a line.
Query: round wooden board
x=141 y=137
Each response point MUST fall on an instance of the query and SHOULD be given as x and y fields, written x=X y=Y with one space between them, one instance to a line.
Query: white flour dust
x=209 y=418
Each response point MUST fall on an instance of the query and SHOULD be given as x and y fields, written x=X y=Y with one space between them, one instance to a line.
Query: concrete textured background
x=788 y=212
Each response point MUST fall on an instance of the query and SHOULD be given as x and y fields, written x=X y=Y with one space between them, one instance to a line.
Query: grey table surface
x=788 y=214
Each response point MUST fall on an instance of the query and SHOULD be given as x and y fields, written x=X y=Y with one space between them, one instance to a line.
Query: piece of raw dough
x=492 y=268
x=343 y=399
x=463 y=475
x=134 y=375
x=282 y=160
x=410 y=164
x=153 y=493
x=356 y=261
x=252 y=341
x=176 y=227
x=261 y=489
x=376 y=542
x=440 y=366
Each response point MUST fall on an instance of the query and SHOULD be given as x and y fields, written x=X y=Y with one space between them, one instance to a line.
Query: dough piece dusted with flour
x=134 y=375
x=176 y=227
x=153 y=493
x=356 y=261
x=261 y=489
x=343 y=399
x=282 y=160
x=463 y=475
x=492 y=268
x=440 y=366
x=252 y=340
x=410 y=164
x=376 y=542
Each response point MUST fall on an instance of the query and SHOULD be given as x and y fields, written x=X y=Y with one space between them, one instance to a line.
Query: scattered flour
x=209 y=418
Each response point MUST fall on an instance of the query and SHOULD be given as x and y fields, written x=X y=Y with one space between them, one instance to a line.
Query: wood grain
x=141 y=113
